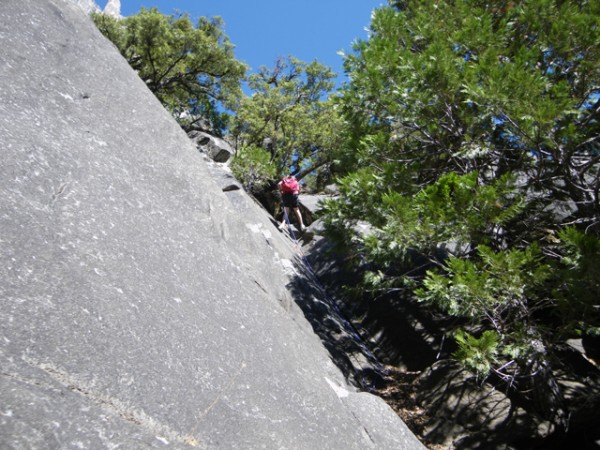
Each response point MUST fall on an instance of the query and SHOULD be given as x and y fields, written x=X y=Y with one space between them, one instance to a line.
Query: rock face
x=113 y=8
x=87 y=6
x=143 y=305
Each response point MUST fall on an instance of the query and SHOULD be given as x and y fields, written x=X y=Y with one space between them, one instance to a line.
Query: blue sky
x=263 y=30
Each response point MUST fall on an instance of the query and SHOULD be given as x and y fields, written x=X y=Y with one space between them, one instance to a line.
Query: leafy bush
x=252 y=166
x=577 y=282
x=478 y=355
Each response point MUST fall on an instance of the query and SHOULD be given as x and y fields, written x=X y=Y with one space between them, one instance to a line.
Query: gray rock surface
x=113 y=8
x=87 y=6
x=218 y=149
x=143 y=306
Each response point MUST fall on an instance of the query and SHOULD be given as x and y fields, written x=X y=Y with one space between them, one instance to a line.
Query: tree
x=191 y=69
x=473 y=141
x=471 y=85
x=289 y=118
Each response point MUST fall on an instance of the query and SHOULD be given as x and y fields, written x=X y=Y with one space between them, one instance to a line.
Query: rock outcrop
x=113 y=8
x=143 y=304
x=218 y=149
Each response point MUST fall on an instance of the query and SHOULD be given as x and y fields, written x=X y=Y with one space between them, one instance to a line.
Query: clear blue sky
x=263 y=30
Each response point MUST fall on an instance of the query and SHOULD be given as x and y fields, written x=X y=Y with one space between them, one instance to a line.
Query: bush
x=252 y=166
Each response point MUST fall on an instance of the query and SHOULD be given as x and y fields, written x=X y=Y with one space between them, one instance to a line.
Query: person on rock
x=289 y=189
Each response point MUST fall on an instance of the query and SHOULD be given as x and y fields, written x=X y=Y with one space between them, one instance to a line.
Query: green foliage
x=478 y=355
x=503 y=290
x=455 y=210
x=253 y=166
x=494 y=288
x=577 y=287
x=191 y=69
x=456 y=213
x=288 y=116
x=496 y=291
x=464 y=86
x=472 y=142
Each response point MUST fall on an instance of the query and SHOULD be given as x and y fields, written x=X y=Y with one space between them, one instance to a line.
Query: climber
x=289 y=189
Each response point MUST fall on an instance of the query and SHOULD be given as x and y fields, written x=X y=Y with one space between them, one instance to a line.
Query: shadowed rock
x=142 y=306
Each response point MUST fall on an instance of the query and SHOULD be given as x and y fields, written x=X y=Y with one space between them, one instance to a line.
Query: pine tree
x=472 y=140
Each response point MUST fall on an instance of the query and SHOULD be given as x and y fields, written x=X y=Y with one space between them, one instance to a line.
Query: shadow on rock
x=343 y=341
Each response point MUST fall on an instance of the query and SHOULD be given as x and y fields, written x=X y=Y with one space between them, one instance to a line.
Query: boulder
x=466 y=413
x=218 y=149
x=144 y=305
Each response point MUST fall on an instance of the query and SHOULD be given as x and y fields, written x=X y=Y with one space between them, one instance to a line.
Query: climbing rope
x=380 y=369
